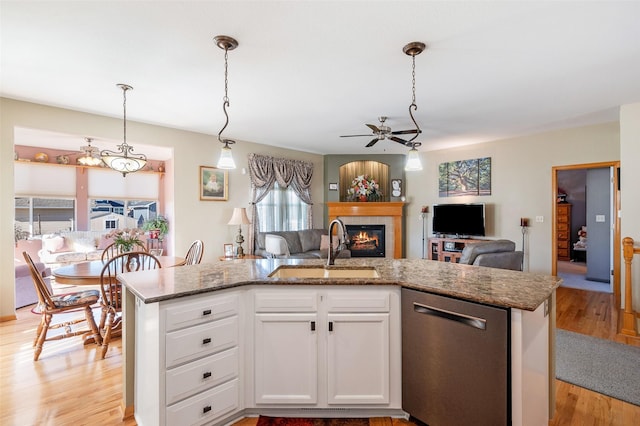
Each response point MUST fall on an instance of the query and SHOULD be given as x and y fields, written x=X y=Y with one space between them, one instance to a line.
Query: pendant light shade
x=226 y=158
x=413 y=160
x=90 y=155
x=124 y=160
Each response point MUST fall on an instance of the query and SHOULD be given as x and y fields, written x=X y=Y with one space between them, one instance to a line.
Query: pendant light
x=413 y=157
x=124 y=160
x=90 y=156
x=226 y=159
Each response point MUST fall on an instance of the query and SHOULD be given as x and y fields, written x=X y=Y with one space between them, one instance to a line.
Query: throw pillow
x=52 y=243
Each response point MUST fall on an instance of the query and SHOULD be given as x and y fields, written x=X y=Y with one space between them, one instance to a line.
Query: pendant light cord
x=225 y=99
x=413 y=105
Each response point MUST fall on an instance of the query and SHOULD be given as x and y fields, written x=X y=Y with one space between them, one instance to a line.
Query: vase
x=363 y=198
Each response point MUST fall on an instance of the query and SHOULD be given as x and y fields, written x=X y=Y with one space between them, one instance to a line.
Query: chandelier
x=413 y=157
x=226 y=159
x=90 y=155
x=124 y=160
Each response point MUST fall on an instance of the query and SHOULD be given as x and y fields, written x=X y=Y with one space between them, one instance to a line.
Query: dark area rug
x=603 y=366
x=298 y=421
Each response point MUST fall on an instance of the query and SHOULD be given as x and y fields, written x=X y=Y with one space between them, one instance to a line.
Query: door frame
x=615 y=220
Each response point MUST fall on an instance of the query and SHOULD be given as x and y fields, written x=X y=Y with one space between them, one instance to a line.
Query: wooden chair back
x=194 y=254
x=44 y=295
x=110 y=287
x=113 y=250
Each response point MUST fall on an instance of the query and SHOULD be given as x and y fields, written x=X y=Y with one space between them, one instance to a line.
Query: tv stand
x=446 y=249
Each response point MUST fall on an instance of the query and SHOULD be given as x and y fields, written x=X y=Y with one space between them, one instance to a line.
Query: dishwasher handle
x=469 y=320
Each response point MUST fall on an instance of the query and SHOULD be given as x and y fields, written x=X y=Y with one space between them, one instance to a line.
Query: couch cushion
x=293 y=241
x=310 y=239
x=472 y=250
x=53 y=243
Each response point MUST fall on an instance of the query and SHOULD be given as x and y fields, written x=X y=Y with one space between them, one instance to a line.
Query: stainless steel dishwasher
x=455 y=361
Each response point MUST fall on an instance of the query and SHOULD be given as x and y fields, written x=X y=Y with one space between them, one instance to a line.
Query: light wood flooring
x=70 y=385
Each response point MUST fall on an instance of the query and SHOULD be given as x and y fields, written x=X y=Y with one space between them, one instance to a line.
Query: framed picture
x=228 y=250
x=214 y=184
x=396 y=187
x=333 y=187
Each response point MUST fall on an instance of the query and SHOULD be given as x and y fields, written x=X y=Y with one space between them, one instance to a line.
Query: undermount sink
x=322 y=272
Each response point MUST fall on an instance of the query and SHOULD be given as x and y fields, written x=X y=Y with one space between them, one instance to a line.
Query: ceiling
x=307 y=72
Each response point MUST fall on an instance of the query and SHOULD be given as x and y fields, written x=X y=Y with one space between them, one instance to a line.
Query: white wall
x=520 y=184
x=189 y=217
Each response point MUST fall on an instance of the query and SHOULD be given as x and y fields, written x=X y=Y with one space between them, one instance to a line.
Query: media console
x=447 y=249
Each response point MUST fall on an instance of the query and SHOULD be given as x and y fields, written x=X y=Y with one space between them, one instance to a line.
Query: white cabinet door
x=286 y=358
x=358 y=358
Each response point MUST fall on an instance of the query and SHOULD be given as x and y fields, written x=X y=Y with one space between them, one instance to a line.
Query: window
x=40 y=216
x=107 y=214
x=282 y=210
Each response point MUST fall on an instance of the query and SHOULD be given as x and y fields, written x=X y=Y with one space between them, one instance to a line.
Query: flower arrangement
x=127 y=239
x=364 y=188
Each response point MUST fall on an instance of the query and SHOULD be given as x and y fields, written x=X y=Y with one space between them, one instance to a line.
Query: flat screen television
x=460 y=220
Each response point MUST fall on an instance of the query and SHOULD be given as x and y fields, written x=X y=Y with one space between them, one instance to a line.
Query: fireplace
x=366 y=240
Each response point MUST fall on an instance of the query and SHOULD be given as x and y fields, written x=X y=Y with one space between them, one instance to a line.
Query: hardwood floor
x=71 y=385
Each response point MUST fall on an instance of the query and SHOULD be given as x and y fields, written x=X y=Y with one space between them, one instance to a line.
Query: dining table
x=88 y=273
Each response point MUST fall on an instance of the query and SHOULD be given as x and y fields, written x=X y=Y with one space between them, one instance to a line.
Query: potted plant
x=158 y=227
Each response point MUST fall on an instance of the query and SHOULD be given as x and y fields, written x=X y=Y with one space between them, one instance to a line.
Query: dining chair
x=194 y=254
x=50 y=304
x=113 y=249
x=111 y=289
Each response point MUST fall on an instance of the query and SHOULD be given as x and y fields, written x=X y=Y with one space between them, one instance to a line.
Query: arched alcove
x=374 y=169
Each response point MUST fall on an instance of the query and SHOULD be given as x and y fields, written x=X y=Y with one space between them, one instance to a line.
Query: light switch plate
x=539 y=219
x=600 y=218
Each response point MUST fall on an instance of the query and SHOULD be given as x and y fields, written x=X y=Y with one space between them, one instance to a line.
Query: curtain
x=264 y=171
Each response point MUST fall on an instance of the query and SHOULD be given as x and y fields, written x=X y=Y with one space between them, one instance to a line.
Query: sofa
x=25 y=289
x=494 y=254
x=72 y=246
x=303 y=244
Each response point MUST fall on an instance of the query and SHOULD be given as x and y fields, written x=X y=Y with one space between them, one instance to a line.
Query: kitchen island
x=240 y=296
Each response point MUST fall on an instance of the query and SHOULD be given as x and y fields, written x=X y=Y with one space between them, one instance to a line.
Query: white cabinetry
x=193 y=342
x=326 y=346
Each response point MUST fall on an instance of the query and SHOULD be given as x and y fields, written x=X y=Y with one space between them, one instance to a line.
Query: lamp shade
x=226 y=159
x=239 y=217
x=413 y=161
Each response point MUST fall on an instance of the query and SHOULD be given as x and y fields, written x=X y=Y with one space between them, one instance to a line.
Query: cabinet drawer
x=562 y=227
x=562 y=235
x=286 y=301
x=202 y=340
x=196 y=376
x=358 y=301
x=205 y=407
x=563 y=244
x=200 y=311
x=563 y=252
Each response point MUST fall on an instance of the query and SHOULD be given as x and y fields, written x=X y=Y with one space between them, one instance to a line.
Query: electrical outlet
x=539 y=219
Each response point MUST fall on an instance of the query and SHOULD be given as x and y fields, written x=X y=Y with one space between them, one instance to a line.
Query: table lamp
x=239 y=218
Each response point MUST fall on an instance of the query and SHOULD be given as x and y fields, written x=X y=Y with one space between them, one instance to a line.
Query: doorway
x=593 y=209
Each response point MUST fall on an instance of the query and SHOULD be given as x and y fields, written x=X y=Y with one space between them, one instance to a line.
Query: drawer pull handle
x=207 y=312
x=206 y=409
x=206 y=375
x=330 y=325
x=313 y=326
x=207 y=340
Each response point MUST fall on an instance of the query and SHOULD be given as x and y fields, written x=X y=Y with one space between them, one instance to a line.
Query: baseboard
x=128 y=412
x=8 y=318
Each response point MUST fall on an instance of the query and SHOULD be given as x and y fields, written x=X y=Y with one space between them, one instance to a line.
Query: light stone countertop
x=490 y=286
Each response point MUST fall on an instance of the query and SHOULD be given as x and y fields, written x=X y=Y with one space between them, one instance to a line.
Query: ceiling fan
x=384 y=132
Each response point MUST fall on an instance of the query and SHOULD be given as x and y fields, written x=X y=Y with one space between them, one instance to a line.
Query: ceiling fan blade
x=353 y=136
x=406 y=132
x=372 y=143
x=395 y=139
x=372 y=127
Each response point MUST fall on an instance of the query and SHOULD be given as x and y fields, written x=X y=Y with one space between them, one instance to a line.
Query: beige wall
x=629 y=178
x=520 y=184
x=190 y=218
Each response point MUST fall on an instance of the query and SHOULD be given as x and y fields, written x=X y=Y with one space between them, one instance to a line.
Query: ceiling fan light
x=226 y=158
x=413 y=161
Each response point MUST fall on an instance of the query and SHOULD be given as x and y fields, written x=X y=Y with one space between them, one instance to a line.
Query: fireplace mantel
x=391 y=209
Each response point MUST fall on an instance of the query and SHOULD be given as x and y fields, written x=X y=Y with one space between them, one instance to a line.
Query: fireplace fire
x=366 y=240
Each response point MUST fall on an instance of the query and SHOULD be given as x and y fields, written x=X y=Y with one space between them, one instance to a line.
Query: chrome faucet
x=343 y=239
